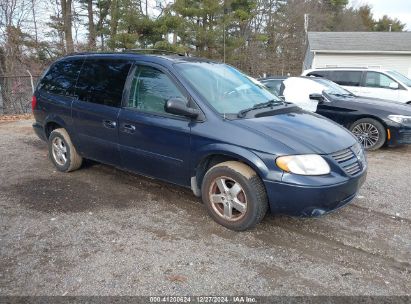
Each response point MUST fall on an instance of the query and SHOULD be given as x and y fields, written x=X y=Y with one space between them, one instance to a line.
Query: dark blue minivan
x=199 y=124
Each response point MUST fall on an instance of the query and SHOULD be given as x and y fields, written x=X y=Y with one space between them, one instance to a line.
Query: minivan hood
x=301 y=131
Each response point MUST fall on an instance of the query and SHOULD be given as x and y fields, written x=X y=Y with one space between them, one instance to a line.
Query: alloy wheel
x=59 y=151
x=228 y=198
x=367 y=134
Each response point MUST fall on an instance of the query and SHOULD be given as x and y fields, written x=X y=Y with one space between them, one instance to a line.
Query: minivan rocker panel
x=273 y=156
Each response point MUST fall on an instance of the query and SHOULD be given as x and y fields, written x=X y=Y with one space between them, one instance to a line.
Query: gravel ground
x=100 y=231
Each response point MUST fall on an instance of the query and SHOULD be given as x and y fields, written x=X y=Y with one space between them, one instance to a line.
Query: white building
x=385 y=50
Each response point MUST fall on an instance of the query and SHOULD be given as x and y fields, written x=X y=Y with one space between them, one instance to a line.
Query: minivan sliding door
x=351 y=80
x=95 y=111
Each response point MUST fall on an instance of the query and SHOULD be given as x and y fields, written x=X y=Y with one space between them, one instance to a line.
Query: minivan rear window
x=102 y=81
x=61 y=78
x=346 y=78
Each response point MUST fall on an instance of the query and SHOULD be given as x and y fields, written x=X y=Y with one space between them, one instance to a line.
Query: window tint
x=377 y=80
x=102 y=81
x=346 y=78
x=151 y=89
x=61 y=78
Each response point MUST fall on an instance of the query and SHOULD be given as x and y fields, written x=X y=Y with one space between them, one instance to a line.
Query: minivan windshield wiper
x=262 y=105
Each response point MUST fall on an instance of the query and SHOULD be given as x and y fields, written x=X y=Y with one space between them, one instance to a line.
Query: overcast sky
x=400 y=9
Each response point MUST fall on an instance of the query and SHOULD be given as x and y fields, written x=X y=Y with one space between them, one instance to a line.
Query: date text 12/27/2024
x=202 y=299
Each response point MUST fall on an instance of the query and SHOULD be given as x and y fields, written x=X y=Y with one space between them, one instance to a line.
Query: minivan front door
x=95 y=112
x=153 y=142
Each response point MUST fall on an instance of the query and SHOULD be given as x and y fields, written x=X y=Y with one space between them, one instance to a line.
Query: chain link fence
x=15 y=93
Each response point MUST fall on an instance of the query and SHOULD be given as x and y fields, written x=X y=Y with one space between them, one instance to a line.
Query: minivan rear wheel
x=62 y=152
x=370 y=133
x=234 y=195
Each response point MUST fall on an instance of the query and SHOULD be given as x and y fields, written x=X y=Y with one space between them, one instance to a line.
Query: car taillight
x=33 y=102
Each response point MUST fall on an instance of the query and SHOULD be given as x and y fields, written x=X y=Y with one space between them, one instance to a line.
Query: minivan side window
x=102 y=81
x=61 y=78
x=150 y=90
x=346 y=78
x=377 y=80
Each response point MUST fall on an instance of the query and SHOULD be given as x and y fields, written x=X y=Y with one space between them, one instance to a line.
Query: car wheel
x=234 y=195
x=62 y=152
x=370 y=133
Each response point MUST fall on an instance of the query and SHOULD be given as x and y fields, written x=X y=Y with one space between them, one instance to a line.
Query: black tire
x=362 y=138
x=73 y=160
x=252 y=193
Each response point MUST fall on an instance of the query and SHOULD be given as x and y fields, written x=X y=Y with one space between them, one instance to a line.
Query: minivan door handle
x=129 y=128
x=109 y=124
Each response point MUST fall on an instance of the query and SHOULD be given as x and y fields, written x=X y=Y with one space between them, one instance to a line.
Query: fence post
x=31 y=80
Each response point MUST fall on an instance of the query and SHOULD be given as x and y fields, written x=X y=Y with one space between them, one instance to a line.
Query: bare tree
x=91 y=26
x=66 y=9
x=12 y=15
x=36 y=37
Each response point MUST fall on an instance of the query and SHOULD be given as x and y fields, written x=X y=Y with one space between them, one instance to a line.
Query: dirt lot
x=100 y=231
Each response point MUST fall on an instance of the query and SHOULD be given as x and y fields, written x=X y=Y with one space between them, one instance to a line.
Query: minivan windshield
x=332 y=88
x=225 y=88
x=405 y=80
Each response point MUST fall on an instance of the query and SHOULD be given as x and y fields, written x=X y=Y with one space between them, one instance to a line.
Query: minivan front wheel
x=234 y=195
x=370 y=133
x=62 y=152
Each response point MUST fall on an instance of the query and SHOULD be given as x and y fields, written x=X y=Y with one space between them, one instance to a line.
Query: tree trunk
x=146 y=8
x=8 y=58
x=67 y=24
x=103 y=12
x=91 y=27
x=113 y=23
x=34 y=23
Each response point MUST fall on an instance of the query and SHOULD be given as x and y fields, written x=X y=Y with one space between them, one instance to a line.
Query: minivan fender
x=229 y=151
x=55 y=119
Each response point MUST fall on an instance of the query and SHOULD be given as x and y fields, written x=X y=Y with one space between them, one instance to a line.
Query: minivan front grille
x=351 y=160
x=353 y=168
x=343 y=155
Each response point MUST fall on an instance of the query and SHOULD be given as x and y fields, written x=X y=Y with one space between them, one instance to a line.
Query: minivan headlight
x=310 y=164
x=401 y=119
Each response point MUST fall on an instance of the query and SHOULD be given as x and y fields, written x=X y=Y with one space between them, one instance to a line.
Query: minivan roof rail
x=152 y=51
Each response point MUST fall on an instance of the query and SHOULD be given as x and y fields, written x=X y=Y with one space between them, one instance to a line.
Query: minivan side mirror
x=394 y=85
x=178 y=106
x=316 y=96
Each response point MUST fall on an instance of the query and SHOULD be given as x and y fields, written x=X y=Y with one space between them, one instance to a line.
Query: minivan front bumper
x=304 y=200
